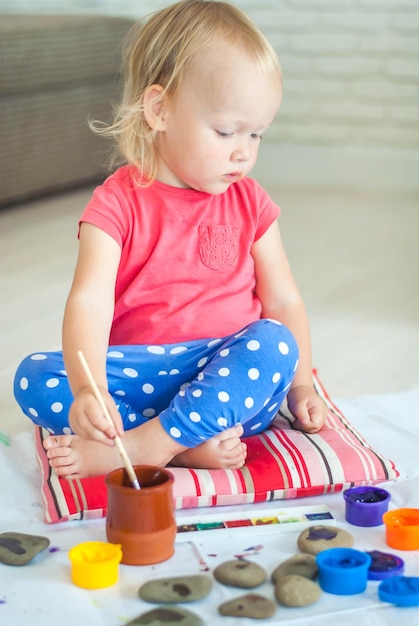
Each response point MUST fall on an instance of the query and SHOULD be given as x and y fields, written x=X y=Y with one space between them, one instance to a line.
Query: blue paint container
x=343 y=571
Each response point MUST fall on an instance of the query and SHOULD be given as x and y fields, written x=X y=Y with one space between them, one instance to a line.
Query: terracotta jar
x=141 y=521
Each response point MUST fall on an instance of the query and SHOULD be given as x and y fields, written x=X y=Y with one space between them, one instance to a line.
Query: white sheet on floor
x=42 y=592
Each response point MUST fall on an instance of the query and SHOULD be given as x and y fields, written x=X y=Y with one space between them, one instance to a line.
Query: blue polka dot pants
x=198 y=388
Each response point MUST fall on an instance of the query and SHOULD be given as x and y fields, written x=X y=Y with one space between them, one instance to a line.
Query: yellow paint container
x=94 y=564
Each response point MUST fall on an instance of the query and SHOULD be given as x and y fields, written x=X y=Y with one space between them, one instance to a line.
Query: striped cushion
x=281 y=463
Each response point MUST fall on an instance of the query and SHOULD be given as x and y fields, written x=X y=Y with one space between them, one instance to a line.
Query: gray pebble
x=250 y=605
x=300 y=564
x=315 y=539
x=240 y=573
x=294 y=590
x=167 y=616
x=176 y=589
x=20 y=548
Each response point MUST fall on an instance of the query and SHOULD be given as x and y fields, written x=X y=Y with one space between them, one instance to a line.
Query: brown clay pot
x=141 y=521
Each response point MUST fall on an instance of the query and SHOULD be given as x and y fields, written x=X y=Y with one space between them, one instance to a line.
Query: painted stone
x=294 y=590
x=20 y=548
x=240 y=573
x=315 y=539
x=300 y=564
x=250 y=605
x=167 y=616
x=176 y=589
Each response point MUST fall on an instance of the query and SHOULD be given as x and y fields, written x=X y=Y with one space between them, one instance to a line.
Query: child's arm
x=281 y=300
x=86 y=327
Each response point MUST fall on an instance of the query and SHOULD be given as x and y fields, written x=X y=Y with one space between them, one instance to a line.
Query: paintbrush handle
x=118 y=441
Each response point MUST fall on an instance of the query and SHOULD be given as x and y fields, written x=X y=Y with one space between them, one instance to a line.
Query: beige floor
x=355 y=256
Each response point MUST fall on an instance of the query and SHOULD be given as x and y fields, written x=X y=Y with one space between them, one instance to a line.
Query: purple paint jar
x=365 y=506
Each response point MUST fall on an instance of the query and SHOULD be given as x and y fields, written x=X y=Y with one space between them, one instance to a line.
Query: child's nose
x=242 y=151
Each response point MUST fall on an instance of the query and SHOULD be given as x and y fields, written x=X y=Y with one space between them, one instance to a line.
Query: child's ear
x=153 y=102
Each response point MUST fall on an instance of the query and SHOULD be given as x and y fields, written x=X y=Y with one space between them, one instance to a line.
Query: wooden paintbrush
x=118 y=442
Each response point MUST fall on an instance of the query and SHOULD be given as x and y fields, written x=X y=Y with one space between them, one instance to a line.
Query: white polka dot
x=273 y=407
x=155 y=349
x=242 y=332
x=213 y=342
x=249 y=402
x=173 y=372
x=225 y=352
x=224 y=371
x=33 y=412
x=178 y=350
x=52 y=382
x=197 y=393
x=149 y=412
x=253 y=345
x=194 y=416
x=223 y=396
x=266 y=401
x=283 y=347
x=253 y=373
x=115 y=354
x=147 y=388
x=24 y=383
x=132 y=417
x=296 y=365
x=120 y=392
x=163 y=373
x=276 y=377
x=182 y=393
x=202 y=361
x=185 y=385
x=63 y=372
x=67 y=430
x=57 y=407
x=200 y=376
x=175 y=432
x=222 y=422
x=255 y=426
x=39 y=357
x=130 y=372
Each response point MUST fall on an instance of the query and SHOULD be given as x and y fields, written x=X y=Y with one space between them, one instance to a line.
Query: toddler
x=183 y=302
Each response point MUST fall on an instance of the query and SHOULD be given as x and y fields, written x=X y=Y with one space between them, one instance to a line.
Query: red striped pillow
x=281 y=463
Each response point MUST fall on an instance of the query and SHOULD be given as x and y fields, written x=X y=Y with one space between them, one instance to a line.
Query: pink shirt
x=186 y=271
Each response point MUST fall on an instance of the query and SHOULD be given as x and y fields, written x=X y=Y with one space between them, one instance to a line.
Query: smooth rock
x=294 y=590
x=176 y=589
x=300 y=564
x=250 y=605
x=20 y=548
x=240 y=573
x=315 y=539
x=167 y=616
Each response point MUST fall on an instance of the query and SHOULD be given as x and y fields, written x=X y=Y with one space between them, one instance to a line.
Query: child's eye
x=222 y=133
x=256 y=136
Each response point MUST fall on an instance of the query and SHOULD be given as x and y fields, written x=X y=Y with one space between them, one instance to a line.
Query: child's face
x=212 y=127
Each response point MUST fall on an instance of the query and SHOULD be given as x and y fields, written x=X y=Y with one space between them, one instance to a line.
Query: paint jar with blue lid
x=365 y=506
x=343 y=571
x=401 y=591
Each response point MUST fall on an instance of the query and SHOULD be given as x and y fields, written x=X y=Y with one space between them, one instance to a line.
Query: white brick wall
x=351 y=94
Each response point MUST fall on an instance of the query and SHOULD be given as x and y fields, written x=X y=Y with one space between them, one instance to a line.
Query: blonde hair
x=160 y=52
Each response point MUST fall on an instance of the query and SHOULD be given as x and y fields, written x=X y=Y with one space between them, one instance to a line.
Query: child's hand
x=87 y=420
x=307 y=407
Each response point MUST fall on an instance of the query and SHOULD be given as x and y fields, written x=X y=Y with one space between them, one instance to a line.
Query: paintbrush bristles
x=128 y=466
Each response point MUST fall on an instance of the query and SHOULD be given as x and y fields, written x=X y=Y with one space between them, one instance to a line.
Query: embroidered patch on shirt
x=218 y=245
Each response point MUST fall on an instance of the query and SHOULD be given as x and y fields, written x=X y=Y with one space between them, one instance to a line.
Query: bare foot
x=75 y=457
x=224 y=451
